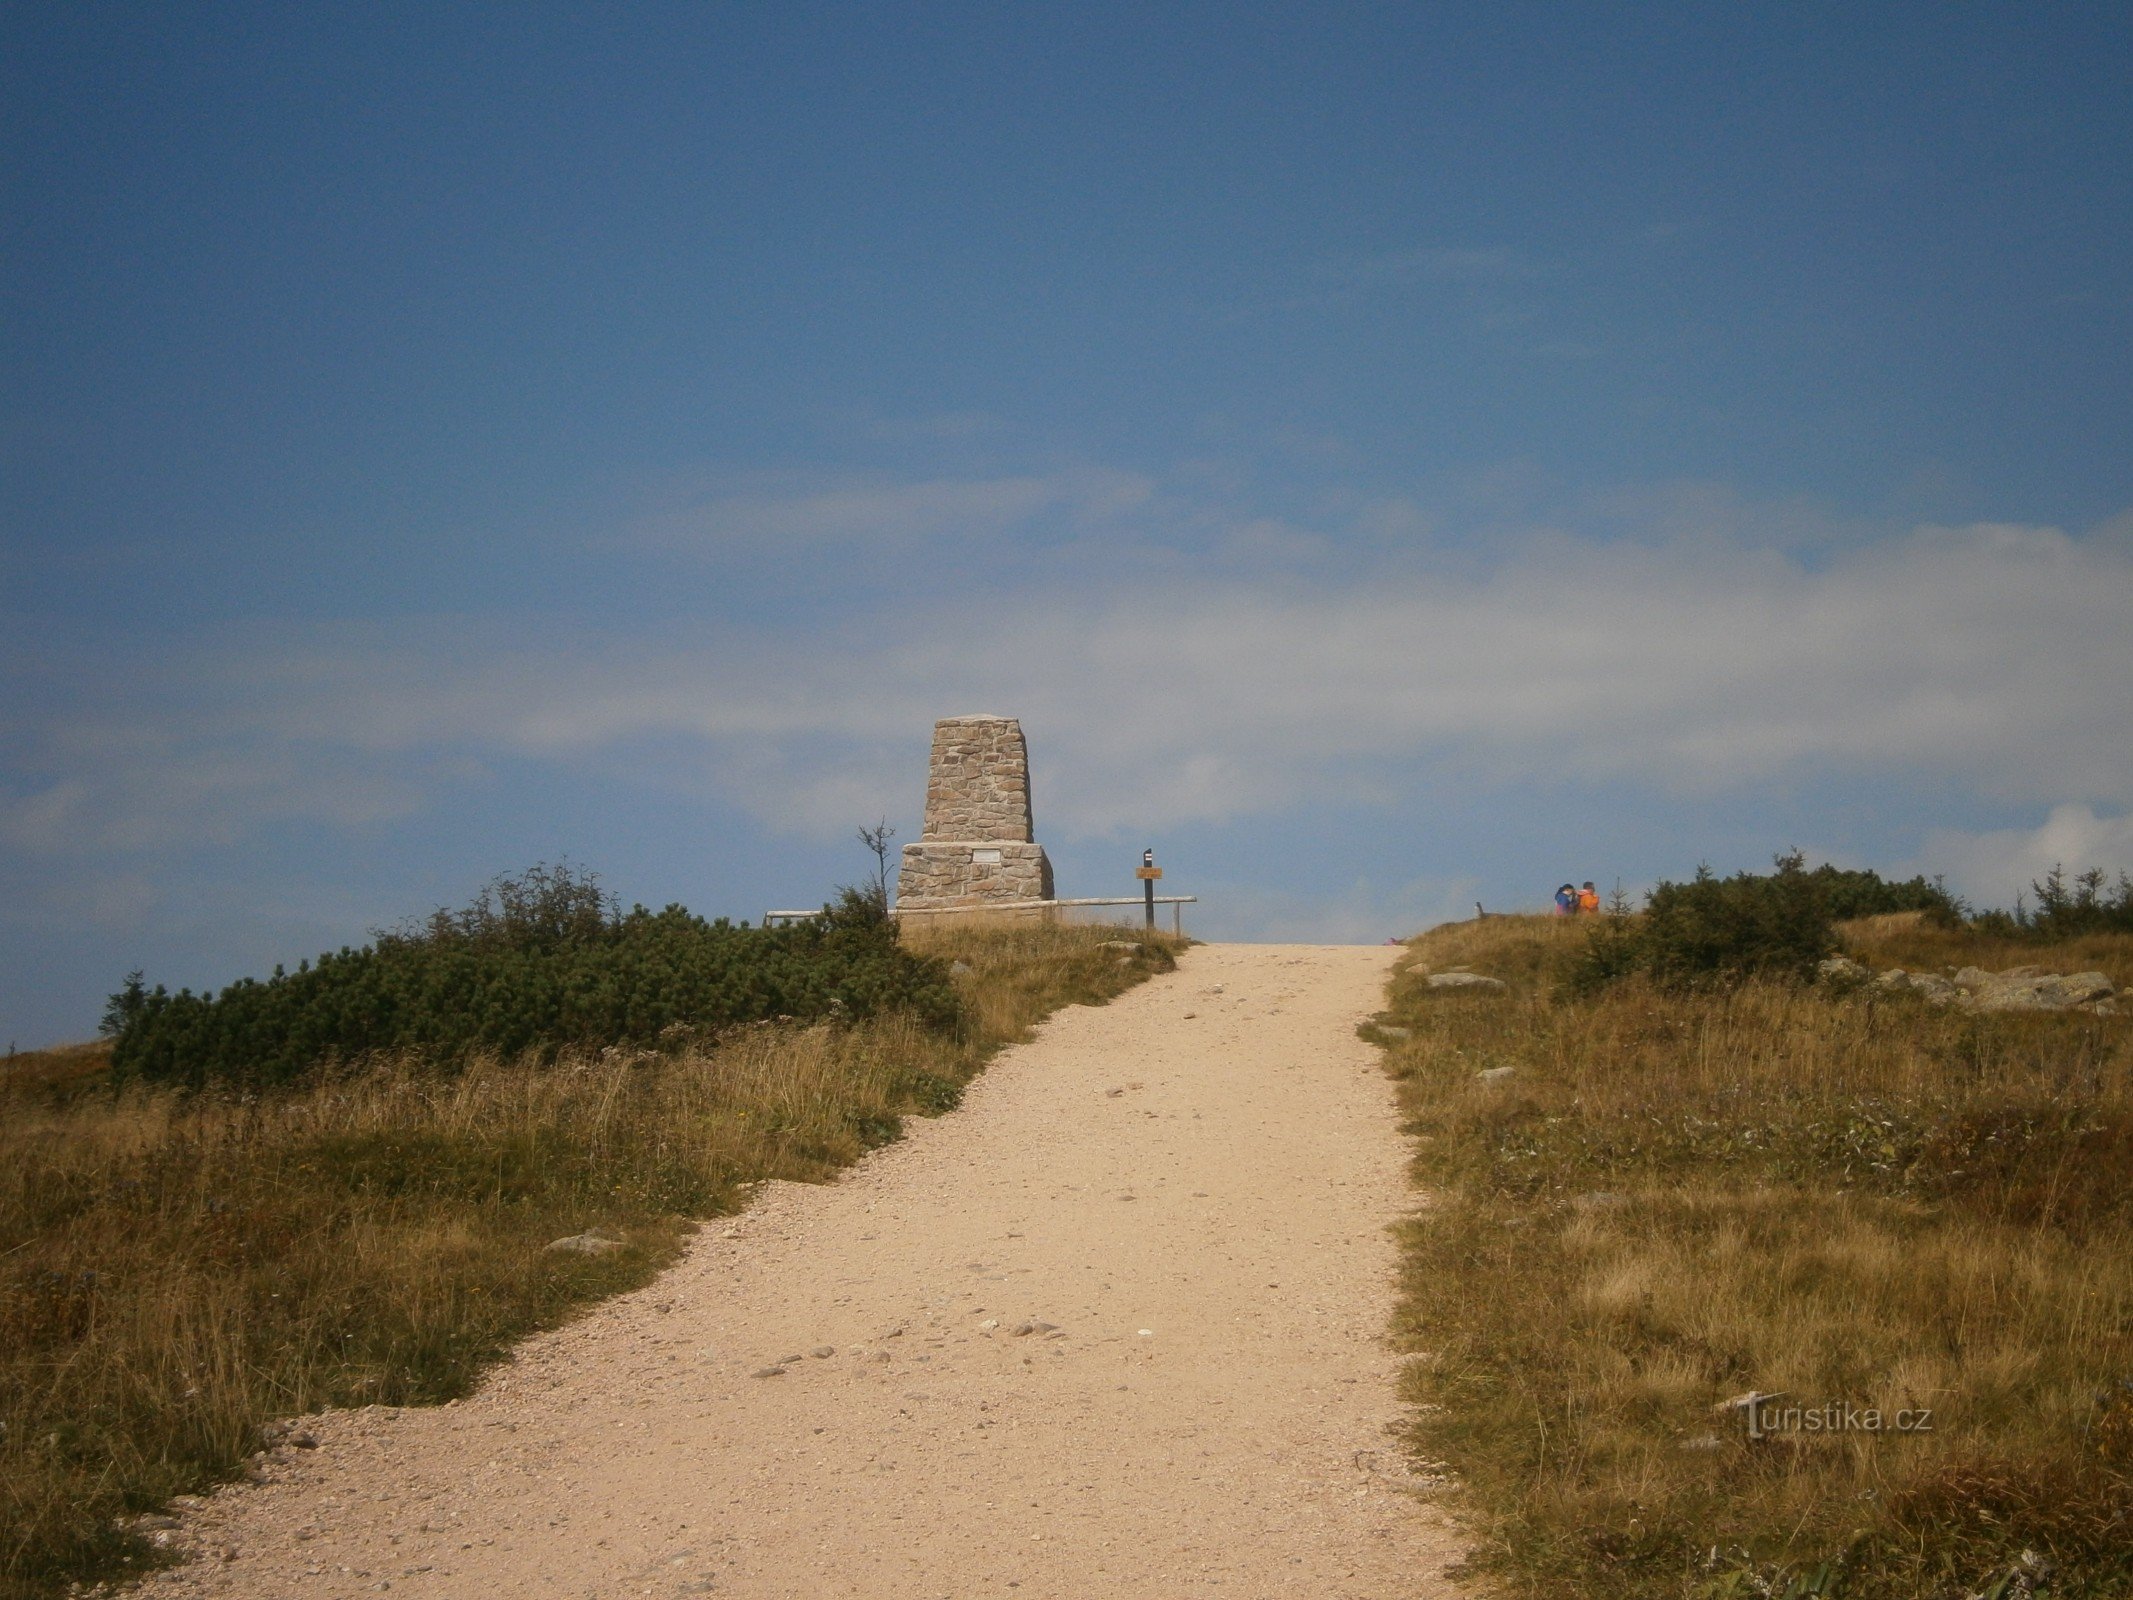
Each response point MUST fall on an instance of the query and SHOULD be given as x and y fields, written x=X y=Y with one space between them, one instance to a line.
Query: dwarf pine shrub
x=538 y=963
x=1713 y=931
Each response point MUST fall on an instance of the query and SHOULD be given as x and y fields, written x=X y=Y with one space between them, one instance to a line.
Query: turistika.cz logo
x=1766 y=1417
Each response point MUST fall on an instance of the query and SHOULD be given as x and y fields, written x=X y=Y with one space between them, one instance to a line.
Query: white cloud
x=1992 y=868
x=1992 y=659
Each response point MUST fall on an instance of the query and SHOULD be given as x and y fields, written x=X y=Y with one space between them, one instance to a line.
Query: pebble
x=768 y=1372
x=1494 y=1074
x=822 y=1352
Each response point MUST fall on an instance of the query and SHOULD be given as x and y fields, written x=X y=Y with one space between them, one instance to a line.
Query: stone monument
x=977 y=845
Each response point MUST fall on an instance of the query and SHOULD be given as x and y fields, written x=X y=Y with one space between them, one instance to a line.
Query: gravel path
x=1112 y=1328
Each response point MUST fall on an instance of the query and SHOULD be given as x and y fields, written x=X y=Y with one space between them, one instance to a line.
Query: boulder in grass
x=1931 y=986
x=1466 y=980
x=2026 y=989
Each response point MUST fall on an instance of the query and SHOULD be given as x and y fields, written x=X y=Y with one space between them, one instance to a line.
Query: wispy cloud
x=1490 y=284
x=1989 y=658
x=799 y=518
x=1434 y=264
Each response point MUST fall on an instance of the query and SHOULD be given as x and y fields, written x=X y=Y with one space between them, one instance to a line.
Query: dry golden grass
x=1672 y=1200
x=176 y=1271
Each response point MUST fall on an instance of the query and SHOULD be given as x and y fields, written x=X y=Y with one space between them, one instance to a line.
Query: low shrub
x=1716 y=931
x=1848 y=893
x=538 y=963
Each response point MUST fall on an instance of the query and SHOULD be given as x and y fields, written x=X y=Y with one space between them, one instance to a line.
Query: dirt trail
x=1192 y=1183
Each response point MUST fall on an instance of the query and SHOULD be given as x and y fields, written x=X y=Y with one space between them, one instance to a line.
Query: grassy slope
x=174 y=1272
x=1675 y=1199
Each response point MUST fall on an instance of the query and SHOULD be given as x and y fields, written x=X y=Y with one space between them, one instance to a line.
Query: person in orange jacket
x=1588 y=897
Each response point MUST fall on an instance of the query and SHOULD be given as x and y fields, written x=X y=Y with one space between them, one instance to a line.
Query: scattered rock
x=768 y=1372
x=1599 y=1200
x=1465 y=980
x=2023 y=988
x=2028 y=990
x=786 y=1361
x=822 y=1352
x=1023 y=1328
x=960 y=969
x=1132 y=947
x=585 y=1244
x=301 y=1440
x=1494 y=1074
x=1842 y=969
x=1935 y=989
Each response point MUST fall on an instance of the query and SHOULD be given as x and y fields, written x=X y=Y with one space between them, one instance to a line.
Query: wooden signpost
x=1148 y=872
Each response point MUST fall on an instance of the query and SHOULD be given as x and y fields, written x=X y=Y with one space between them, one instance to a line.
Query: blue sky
x=1388 y=456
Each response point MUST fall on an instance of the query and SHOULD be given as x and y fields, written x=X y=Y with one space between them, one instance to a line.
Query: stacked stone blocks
x=977 y=845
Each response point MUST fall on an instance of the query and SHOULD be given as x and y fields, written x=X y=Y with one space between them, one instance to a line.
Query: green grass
x=1674 y=1198
x=178 y=1269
